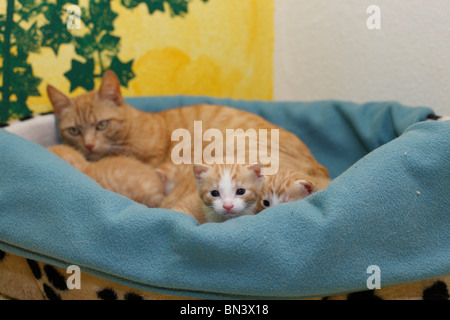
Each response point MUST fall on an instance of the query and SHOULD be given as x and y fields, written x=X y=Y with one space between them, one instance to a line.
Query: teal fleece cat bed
x=387 y=206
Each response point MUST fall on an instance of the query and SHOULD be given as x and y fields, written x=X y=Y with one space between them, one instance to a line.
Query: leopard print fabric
x=27 y=279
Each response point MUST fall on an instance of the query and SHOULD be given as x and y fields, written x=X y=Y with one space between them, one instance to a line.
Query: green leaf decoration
x=28 y=4
x=130 y=3
x=122 y=70
x=27 y=40
x=23 y=82
x=110 y=43
x=154 y=5
x=55 y=32
x=27 y=8
x=18 y=110
x=177 y=7
x=85 y=46
x=61 y=3
x=101 y=16
x=46 y=27
x=81 y=75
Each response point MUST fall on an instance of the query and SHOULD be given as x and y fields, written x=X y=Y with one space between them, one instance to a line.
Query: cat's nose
x=89 y=146
x=228 y=207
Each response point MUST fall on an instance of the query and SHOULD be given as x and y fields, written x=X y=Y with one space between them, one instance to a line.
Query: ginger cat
x=285 y=186
x=99 y=123
x=120 y=174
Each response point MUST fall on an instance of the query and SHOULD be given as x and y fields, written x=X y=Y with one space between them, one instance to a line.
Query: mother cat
x=100 y=123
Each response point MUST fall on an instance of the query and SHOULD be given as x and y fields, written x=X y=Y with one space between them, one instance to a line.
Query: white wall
x=324 y=50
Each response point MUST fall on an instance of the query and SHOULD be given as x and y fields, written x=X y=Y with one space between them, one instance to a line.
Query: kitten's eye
x=266 y=203
x=240 y=192
x=74 y=131
x=102 y=125
x=215 y=193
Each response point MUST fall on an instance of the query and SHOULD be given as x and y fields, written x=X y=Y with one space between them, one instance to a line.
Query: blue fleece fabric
x=388 y=205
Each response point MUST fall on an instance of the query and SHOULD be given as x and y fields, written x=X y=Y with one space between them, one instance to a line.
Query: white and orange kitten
x=222 y=192
x=228 y=191
x=285 y=186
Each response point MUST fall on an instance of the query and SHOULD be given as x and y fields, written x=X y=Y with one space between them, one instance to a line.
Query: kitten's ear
x=58 y=99
x=306 y=187
x=110 y=88
x=162 y=175
x=199 y=170
x=257 y=168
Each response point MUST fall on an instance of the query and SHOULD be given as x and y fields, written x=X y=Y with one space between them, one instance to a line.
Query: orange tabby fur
x=180 y=182
x=120 y=174
x=285 y=186
x=146 y=136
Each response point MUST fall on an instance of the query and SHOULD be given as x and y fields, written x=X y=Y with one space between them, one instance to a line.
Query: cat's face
x=229 y=190
x=283 y=188
x=94 y=122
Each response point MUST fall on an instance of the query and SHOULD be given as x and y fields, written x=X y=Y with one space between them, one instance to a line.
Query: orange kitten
x=120 y=174
x=177 y=180
x=285 y=186
x=180 y=190
x=223 y=192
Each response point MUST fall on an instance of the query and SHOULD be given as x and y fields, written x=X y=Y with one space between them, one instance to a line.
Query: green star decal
x=122 y=70
x=45 y=26
x=77 y=75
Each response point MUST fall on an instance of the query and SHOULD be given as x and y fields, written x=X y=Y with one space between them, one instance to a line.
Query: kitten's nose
x=228 y=206
x=89 y=146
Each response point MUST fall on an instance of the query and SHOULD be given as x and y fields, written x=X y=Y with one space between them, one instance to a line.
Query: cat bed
x=387 y=206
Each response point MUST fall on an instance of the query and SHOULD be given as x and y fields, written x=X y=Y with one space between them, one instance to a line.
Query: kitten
x=228 y=191
x=99 y=123
x=119 y=174
x=175 y=176
x=285 y=186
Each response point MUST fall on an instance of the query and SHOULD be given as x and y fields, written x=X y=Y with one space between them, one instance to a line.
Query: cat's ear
x=110 y=88
x=199 y=170
x=306 y=187
x=58 y=99
x=257 y=169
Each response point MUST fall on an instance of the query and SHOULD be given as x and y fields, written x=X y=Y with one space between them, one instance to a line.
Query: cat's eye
x=215 y=193
x=102 y=125
x=240 y=192
x=74 y=131
x=266 y=203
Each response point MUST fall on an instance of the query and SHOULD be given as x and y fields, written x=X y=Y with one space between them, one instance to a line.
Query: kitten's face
x=93 y=122
x=282 y=188
x=229 y=190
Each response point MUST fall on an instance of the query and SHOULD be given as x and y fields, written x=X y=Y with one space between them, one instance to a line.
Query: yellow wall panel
x=221 y=48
